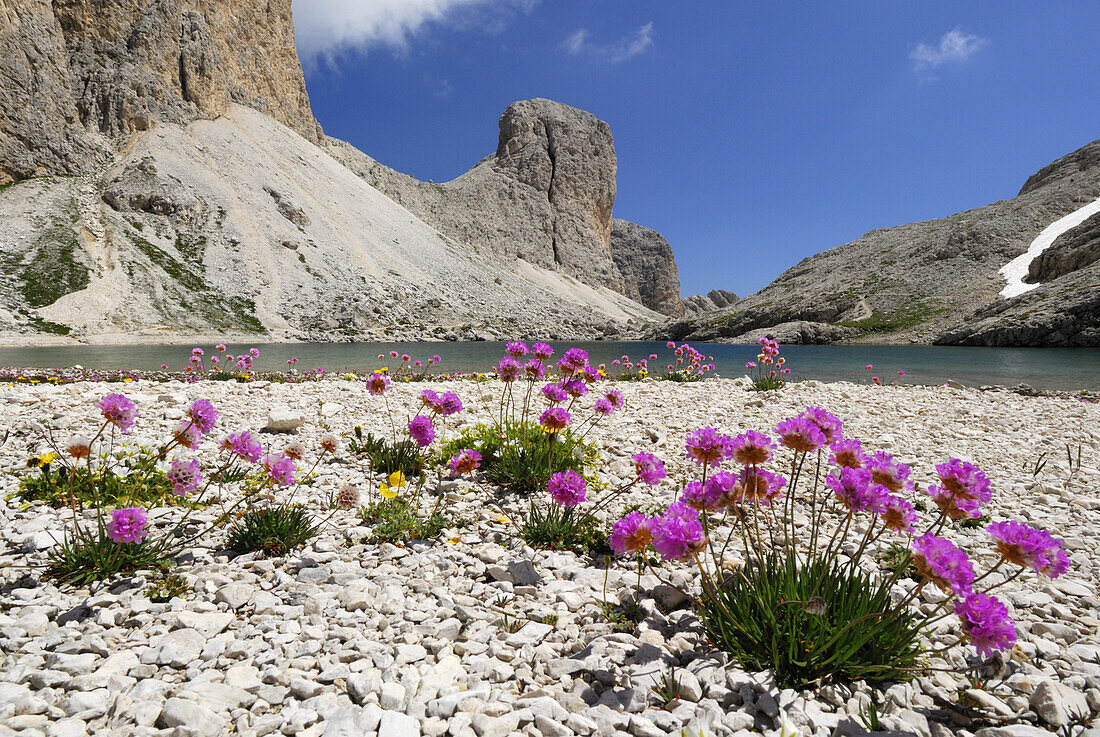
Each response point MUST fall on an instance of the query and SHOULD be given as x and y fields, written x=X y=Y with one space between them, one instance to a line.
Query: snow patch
x=1016 y=269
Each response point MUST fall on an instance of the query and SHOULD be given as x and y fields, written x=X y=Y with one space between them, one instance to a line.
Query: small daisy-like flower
x=295 y=451
x=329 y=443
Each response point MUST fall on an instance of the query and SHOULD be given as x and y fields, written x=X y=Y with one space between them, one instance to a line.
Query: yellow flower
x=386 y=491
x=127 y=379
x=397 y=478
x=455 y=540
x=49 y=458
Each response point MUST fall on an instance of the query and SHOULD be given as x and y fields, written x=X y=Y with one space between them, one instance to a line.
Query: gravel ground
x=353 y=638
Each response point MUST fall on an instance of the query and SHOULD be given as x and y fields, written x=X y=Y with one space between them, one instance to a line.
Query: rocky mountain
x=163 y=176
x=940 y=281
x=545 y=196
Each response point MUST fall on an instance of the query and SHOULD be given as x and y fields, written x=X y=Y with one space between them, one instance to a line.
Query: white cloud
x=955 y=46
x=326 y=28
x=579 y=43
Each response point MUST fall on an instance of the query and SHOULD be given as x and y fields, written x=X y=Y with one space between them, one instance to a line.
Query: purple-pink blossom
x=678 y=532
x=128 y=525
x=119 y=411
x=572 y=360
x=847 y=453
x=517 y=349
x=752 y=448
x=899 y=515
x=422 y=431
x=829 y=424
x=615 y=397
x=508 y=369
x=986 y=623
x=754 y=484
x=554 y=393
x=185 y=476
x=567 y=488
x=707 y=446
x=465 y=462
x=631 y=534
x=965 y=481
x=542 y=351
x=888 y=471
x=555 y=419
x=378 y=383
x=1029 y=547
x=280 y=469
x=649 y=468
x=603 y=407
x=941 y=563
x=800 y=434
x=243 y=446
x=203 y=415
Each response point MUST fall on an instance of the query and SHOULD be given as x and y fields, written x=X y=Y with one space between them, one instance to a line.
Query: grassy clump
x=523 y=457
x=765 y=617
x=272 y=531
x=142 y=486
x=167 y=588
x=396 y=520
x=553 y=527
x=388 y=457
x=88 y=554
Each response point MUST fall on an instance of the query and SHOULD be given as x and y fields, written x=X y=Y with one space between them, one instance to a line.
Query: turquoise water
x=1043 y=368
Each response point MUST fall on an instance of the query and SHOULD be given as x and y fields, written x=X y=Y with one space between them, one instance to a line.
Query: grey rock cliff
x=545 y=196
x=76 y=76
x=648 y=267
x=1075 y=249
x=939 y=281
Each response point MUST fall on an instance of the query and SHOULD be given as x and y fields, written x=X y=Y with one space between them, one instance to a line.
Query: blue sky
x=749 y=134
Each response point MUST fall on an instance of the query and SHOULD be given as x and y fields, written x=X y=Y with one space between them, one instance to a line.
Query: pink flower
x=465 y=462
x=243 y=446
x=119 y=411
x=1029 y=547
x=128 y=525
x=378 y=383
x=800 y=434
x=555 y=419
x=203 y=415
x=567 y=488
x=707 y=446
x=649 y=468
x=678 y=533
x=422 y=431
x=941 y=563
x=986 y=623
x=279 y=469
x=517 y=349
x=752 y=448
x=185 y=477
x=631 y=534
